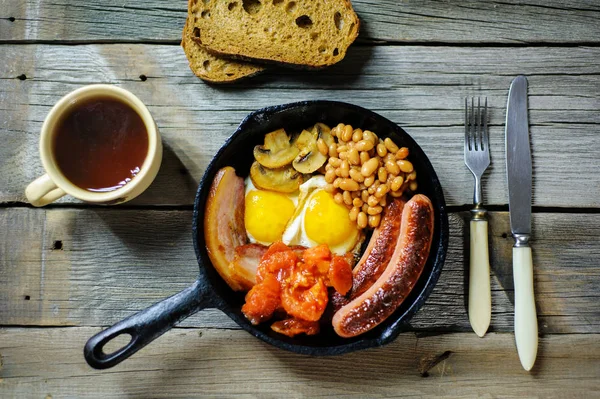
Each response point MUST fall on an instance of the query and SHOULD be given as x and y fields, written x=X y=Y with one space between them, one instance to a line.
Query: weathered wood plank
x=226 y=363
x=112 y=263
x=398 y=21
x=420 y=88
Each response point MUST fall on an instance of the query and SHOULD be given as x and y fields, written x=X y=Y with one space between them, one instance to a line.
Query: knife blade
x=519 y=174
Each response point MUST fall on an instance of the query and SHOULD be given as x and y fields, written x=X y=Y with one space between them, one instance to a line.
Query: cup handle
x=43 y=191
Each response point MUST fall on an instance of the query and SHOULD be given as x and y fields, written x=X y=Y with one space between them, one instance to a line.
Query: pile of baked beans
x=363 y=169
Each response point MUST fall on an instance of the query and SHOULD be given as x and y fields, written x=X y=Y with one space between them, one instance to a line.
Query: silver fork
x=477 y=159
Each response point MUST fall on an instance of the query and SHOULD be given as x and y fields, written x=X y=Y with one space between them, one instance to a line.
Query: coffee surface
x=100 y=144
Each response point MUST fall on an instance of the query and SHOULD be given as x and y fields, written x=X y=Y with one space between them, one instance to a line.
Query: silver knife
x=518 y=168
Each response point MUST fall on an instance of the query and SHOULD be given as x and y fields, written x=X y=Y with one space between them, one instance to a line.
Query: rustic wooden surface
x=68 y=270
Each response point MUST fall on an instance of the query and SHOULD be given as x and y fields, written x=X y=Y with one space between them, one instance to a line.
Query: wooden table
x=69 y=270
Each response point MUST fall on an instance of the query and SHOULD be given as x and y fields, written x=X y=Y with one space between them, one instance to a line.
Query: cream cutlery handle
x=526 y=328
x=480 y=297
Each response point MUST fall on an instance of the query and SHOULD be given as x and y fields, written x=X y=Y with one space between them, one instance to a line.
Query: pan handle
x=146 y=326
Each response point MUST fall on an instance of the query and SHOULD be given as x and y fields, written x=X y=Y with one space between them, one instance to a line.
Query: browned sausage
x=402 y=272
x=377 y=255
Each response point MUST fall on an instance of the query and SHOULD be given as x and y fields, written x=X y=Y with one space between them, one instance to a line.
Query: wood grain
x=512 y=21
x=112 y=263
x=205 y=362
x=420 y=88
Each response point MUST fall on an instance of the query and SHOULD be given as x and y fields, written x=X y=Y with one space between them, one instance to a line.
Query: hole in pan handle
x=145 y=326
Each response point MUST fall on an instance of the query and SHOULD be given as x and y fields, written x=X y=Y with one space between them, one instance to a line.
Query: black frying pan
x=210 y=291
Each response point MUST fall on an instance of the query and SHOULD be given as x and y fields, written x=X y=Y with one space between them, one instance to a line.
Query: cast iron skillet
x=210 y=291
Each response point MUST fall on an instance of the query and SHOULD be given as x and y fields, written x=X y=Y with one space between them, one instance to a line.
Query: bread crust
x=302 y=33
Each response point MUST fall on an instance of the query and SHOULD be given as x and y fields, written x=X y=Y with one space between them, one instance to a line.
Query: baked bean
x=335 y=162
x=348 y=185
x=369 y=135
x=333 y=150
x=357 y=135
x=402 y=153
x=389 y=158
x=328 y=167
x=336 y=182
x=343 y=155
x=357 y=202
x=374 y=210
x=383 y=201
x=354 y=213
x=397 y=183
x=370 y=167
x=364 y=157
x=329 y=188
x=392 y=167
x=396 y=194
x=371 y=190
x=412 y=175
x=347 y=198
x=372 y=201
x=390 y=145
x=364 y=207
x=381 y=150
x=322 y=146
x=339 y=198
x=356 y=175
x=374 y=220
x=347 y=133
x=369 y=181
x=338 y=172
x=345 y=168
x=330 y=176
x=405 y=166
x=413 y=186
x=353 y=156
x=361 y=220
x=382 y=174
x=364 y=196
x=364 y=145
x=342 y=148
x=381 y=191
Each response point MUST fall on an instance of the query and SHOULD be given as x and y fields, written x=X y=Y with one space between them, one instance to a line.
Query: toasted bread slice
x=213 y=68
x=309 y=33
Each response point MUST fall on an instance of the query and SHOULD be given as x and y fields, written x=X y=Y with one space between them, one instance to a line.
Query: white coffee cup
x=53 y=185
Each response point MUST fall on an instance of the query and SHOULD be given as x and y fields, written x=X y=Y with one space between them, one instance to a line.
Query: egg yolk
x=326 y=221
x=267 y=214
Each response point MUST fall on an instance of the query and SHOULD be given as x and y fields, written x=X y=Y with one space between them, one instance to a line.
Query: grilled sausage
x=384 y=296
x=377 y=255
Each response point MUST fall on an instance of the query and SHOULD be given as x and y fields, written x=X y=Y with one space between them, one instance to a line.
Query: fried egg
x=318 y=219
x=308 y=217
x=267 y=213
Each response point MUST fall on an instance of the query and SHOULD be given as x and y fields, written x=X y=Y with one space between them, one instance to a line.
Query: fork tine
x=479 y=135
x=486 y=136
x=472 y=124
x=467 y=147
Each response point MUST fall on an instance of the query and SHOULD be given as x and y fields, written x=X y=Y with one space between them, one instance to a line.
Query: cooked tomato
x=296 y=281
x=340 y=274
x=307 y=303
x=313 y=256
x=262 y=300
x=293 y=327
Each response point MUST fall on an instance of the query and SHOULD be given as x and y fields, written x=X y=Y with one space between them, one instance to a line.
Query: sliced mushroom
x=310 y=159
x=283 y=180
x=277 y=151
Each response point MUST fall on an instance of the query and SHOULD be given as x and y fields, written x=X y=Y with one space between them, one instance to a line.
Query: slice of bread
x=310 y=33
x=213 y=68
